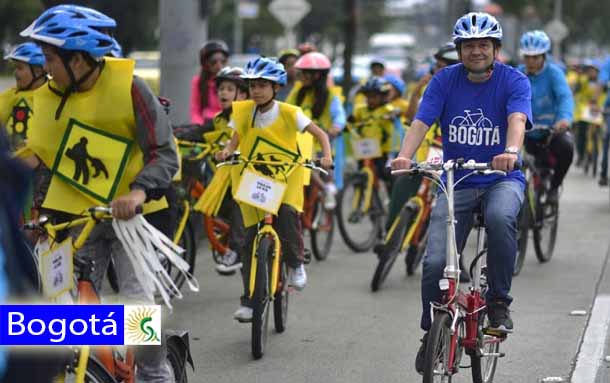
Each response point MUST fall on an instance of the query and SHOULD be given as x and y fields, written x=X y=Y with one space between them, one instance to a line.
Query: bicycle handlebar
x=484 y=168
x=236 y=160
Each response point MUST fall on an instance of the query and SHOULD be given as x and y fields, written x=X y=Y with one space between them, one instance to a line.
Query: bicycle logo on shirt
x=473 y=129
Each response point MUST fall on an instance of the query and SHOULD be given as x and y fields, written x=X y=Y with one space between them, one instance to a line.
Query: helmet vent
x=474 y=19
x=57 y=31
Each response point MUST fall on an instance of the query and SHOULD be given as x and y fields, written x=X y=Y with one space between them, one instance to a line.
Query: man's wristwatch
x=512 y=150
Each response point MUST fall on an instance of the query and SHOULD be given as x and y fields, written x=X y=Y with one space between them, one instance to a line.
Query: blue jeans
x=500 y=204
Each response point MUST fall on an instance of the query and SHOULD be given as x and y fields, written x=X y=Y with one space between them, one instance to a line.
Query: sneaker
x=499 y=317
x=229 y=264
x=421 y=355
x=603 y=181
x=298 y=278
x=330 y=191
x=243 y=314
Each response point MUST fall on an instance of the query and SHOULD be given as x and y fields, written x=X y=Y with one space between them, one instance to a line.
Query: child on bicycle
x=377 y=120
x=108 y=141
x=15 y=102
x=230 y=87
x=260 y=124
x=322 y=104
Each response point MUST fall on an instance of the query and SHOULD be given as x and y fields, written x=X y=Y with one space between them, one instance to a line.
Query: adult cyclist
x=503 y=96
x=552 y=106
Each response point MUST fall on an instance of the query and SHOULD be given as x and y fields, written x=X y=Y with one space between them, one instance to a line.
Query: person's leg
x=465 y=202
x=501 y=205
x=289 y=229
x=248 y=242
x=603 y=176
x=404 y=188
x=562 y=147
x=581 y=141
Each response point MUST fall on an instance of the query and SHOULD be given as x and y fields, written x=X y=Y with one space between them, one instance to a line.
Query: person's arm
x=155 y=139
x=564 y=100
x=196 y=112
x=337 y=114
x=415 y=96
x=322 y=138
x=229 y=149
x=413 y=139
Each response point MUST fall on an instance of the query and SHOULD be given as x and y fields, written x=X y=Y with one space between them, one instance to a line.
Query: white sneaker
x=230 y=263
x=298 y=277
x=330 y=191
x=243 y=314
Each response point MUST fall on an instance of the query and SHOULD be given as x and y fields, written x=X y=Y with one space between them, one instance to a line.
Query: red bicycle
x=459 y=321
x=318 y=220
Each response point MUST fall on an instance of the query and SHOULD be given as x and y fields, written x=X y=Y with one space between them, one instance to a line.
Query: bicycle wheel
x=359 y=229
x=260 y=298
x=177 y=362
x=436 y=359
x=416 y=253
x=111 y=275
x=392 y=246
x=322 y=230
x=483 y=362
x=280 y=303
x=522 y=237
x=545 y=229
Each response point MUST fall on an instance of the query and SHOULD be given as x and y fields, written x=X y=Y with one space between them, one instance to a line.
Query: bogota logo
x=140 y=326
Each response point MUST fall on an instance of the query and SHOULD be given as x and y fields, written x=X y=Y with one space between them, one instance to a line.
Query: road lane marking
x=591 y=354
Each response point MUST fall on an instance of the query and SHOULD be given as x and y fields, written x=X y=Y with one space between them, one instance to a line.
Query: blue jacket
x=551 y=98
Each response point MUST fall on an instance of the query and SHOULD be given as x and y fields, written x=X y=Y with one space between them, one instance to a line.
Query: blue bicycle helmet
x=375 y=84
x=29 y=53
x=477 y=25
x=117 y=49
x=396 y=82
x=73 y=28
x=265 y=68
x=534 y=43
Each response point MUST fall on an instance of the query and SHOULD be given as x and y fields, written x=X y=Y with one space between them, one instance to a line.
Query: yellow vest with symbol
x=16 y=114
x=275 y=142
x=375 y=124
x=92 y=148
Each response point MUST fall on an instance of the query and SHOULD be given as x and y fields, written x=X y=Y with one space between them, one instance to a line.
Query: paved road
x=339 y=331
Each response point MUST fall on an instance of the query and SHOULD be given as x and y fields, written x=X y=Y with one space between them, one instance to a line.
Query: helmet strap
x=35 y=78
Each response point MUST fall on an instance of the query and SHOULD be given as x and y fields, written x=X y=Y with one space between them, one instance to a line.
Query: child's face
x=261 y=91
x=23 y=74
x=55 y=67
x=226 y=93
x=374 y=100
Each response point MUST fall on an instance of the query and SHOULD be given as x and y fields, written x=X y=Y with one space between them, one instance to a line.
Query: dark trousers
x=562 y=148
x=288 y=227
x=606 y=144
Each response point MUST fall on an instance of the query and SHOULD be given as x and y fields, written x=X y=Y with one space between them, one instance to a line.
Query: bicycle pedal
x=306 y=256
x=495 y=333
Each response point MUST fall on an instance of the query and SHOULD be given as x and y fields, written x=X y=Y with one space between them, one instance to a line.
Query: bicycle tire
x=177 y=362
x=437 y=347
x=187 y=242
x=415 y=254
x=112 y=277
x=483 y=373
x=522 y=237
x=260 y=299
x=281 y=300
x=321 y=247
x=391 y=248
x=367 y=237
x=543 y=246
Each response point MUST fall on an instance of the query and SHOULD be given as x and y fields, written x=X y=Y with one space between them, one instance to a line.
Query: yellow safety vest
x=376 y=124
x=15 y=114
x=277 y=141
x=221 y=132
x=92 y=148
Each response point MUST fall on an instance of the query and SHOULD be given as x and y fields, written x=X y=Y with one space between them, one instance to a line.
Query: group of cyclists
x=77 y=102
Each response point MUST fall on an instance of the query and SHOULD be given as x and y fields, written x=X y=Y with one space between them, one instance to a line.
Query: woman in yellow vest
x=16 y=102
x=323 y=105
x=267 y=129
x=107 y=140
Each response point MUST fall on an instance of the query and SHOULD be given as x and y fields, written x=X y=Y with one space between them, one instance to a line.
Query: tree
x=16 y=16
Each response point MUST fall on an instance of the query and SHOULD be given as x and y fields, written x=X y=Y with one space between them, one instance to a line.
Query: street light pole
x=183 y=31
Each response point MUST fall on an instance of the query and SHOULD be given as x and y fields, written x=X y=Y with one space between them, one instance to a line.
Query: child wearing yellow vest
x=108 y=141
x=323 y=105
x=260 y=124
x=377 y=120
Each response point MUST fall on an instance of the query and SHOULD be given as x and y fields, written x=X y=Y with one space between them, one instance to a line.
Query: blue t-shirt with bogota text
x=474 y=116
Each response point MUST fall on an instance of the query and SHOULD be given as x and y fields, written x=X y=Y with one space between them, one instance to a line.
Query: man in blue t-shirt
x=552 y=107
x=483 y=107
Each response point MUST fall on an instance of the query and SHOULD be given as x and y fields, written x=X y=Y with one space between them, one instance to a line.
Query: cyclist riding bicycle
x=213 y=57
x=108 y=141
x=552 y=107
x=15 y=102
x=322 y=104
x=483 y=107
x=266 y=129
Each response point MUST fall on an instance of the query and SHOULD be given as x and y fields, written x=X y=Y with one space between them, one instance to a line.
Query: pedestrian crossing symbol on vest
x=265 y=150
x=92 y=160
